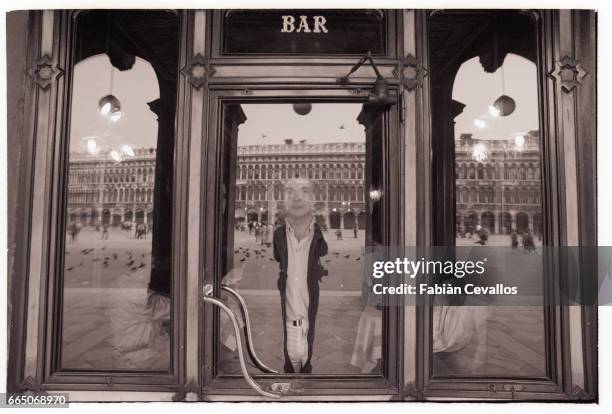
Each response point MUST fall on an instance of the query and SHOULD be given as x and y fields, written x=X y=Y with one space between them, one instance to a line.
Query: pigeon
x=131 y=262
x=358 y=258
x=70 y=268
x=103 y=247
x=141 y=265
x=135 y=267
x=114 y=256
x=347 y=256
x=243 y=259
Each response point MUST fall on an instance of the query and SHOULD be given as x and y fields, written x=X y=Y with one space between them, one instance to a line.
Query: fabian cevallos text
x=402 y=276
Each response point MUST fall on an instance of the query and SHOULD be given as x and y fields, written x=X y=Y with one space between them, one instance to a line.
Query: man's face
x=298 y=197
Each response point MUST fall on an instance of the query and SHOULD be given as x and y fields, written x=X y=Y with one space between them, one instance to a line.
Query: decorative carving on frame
x=359 y=92
x=569 y=72
x=29 y=386
x=410 y=72
x=579 y=393
x=187 y=392
x=44 y=72
x=198 y=69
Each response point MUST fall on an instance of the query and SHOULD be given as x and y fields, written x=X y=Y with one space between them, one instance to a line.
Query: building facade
x=412 y=182
x=336 y=169
x=499 y=188
x=105 y=191
x=501 y=192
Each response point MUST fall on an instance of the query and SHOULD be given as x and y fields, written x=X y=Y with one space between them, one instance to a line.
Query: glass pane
x=117 y=258
x=304 y=32
x=486 y=101
x=298 y=203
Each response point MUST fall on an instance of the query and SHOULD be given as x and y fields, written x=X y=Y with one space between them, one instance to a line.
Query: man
x=298 y=247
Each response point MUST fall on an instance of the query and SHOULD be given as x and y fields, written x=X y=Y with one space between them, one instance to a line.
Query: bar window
x=116 y=293
x=486 y=127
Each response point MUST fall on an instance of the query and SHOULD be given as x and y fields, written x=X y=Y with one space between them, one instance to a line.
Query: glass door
x=296 y=210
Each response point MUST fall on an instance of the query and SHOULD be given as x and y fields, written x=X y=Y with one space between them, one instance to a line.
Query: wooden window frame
x=48 y=376
x=559 y=384
x=316 y=387
x=46 y=119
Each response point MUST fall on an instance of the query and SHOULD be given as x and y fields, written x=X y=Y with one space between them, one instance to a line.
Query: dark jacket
x=318 y=248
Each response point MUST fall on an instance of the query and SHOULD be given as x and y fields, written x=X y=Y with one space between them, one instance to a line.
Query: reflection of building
x=502 y=191
x=101 y=190
x=337 y=170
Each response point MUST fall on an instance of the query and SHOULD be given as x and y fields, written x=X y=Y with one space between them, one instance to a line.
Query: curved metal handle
x=245 y=372
x=249 y=337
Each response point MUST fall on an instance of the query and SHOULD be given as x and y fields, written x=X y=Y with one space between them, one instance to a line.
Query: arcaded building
x=107 y=191
x=498 y=184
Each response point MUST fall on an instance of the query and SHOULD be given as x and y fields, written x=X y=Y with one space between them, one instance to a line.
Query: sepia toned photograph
x=195 y=195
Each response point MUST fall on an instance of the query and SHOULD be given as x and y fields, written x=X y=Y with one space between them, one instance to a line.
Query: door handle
x=207 y=297
x=247 y=330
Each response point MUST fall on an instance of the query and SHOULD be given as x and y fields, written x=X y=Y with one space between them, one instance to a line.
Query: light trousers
x=297 y=344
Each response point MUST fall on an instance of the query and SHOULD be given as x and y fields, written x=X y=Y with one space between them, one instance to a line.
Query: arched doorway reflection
x=349 y=220
x=334 y=220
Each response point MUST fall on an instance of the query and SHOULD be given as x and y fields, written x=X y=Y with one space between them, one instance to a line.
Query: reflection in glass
x=116 y=288
x=299 y=204
x=487 y=100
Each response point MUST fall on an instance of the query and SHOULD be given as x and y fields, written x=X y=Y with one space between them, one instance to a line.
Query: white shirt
x=296 y=294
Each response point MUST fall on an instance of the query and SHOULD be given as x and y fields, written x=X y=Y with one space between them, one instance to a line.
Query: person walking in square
x=104 y=232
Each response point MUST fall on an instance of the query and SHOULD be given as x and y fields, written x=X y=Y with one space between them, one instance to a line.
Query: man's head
x=299 y=197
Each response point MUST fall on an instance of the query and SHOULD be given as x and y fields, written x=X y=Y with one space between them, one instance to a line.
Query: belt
x=298 y=322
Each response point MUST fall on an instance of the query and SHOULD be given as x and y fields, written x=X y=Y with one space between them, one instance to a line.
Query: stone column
x=496 y=225
x=161 y=248
x=530 y=222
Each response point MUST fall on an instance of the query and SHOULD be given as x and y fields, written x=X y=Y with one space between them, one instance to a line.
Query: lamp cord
x=108 y=46
x=112 y=78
